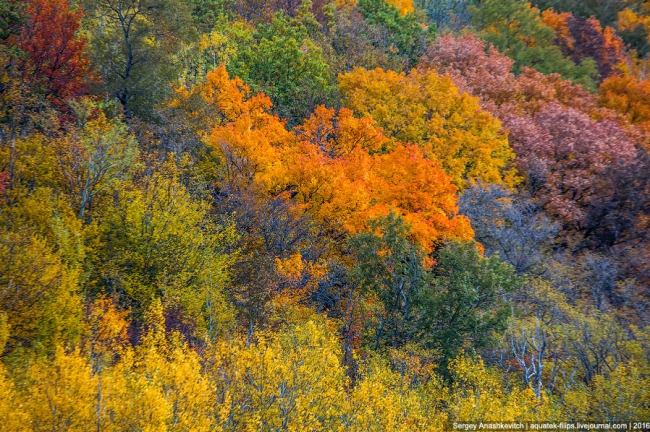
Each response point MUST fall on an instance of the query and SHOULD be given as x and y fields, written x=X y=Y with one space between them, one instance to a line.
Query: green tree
x=389 y=268
x=282 y=60
x=133 y=46
x=464 y=307
x=517 y=29
x=406 y=34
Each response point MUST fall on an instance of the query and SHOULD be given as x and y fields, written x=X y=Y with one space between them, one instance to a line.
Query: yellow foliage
x=622 y=396
x=428 y=110
x=478 y=393
x=61 y=393
x=13 y=416
x=293 y=381
x=383 y=391
x=161 y=243
x=40 y=253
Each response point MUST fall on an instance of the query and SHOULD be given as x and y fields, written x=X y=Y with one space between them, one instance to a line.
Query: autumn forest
x=327 y=215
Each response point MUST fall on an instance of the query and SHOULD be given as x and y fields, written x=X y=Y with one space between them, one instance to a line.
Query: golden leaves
x=428 y=110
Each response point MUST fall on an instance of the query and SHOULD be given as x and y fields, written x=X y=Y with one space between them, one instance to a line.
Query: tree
x=133 y=45
x=517 y=29
x=635 y=30
x=56 y=65
x=42 y=253
x=628 y=96
x=474 y=66
x=61 y=392
x=447 y=14
x=390 y=268
x=93 y=157
x=358 y=43
x=509 y=225
x=569 y=159
x=604 y=11
x=282 y=61
x=580 y=38
x=293 y=378
x=480 y=69
x=407 y=35
x=332 y=166
x=464 y=306
x=428 y=110
x=161 y=245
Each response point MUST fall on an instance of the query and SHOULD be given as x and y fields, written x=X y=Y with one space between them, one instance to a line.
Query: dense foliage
x=323 y=215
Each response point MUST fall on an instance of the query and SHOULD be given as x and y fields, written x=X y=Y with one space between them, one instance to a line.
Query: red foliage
x=571 y=160
x=581 y=38
x=487 y=75
x=580 y=163
x=4 y=181
x=56 y=64
x=482 y=71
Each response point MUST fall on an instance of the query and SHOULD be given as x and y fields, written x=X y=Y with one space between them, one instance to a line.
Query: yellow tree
x=41 y=252
x=428 y=110
x=160 y=243
x=292 y=381
x=94 y=156
x=61 y=393
x=12 y=411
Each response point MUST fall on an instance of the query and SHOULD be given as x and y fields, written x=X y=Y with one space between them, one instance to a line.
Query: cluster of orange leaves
x=335 y=165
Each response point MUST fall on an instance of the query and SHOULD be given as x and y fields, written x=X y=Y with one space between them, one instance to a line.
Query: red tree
x=571 y=161
x=56 y=63
x=482 y=71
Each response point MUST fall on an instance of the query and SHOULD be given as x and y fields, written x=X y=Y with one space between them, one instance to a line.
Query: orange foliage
x=404 y=6
x=108 y=326
x=558 y=22
x=417 y=188
x=629 y=97
x=335 y=165
x=429 y=110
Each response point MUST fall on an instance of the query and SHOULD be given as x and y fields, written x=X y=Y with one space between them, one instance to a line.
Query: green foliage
x=459 y=305
x=10 y=17
x=389 y=267
x=283 y=61
x=206 y=13
x=638 y=39
x=355 y=42
x=134 y=43
x=407 y=35
x=464 y=307
x=514 y=27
